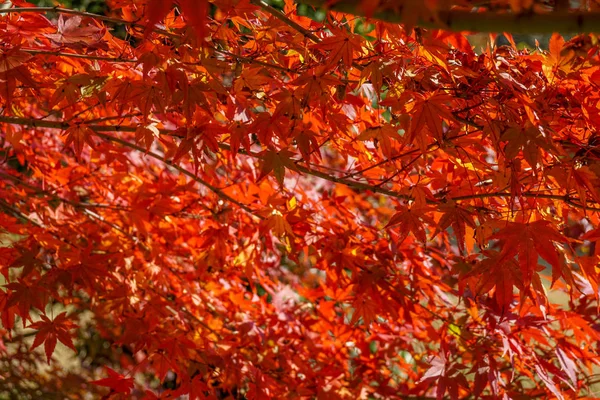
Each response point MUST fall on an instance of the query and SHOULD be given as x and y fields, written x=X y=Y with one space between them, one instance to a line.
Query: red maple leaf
x=26 y=295
x=71 y=33
x=116 y=382
x=12 y=58
x=51 y=331
x=528 y=241
x=78 y=135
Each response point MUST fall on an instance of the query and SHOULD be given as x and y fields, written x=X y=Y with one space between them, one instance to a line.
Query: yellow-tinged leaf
x=292 y=203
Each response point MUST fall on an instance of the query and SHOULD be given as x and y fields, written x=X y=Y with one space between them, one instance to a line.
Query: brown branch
x=566 y=198
x=248 y=60
x=243 y=59
x=387 y=160
x=283 y=18
x=81 y=56
x=17 y=214
x=375 y=189
x=462 y=20
x=343 y=181
x=400 y=170
x=60 y=10
x=116 y=128
x=182 y=170
x=39 y=191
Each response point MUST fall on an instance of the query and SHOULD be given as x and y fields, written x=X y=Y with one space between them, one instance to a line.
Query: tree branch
x=184 y=171
x=115 y=128
x=575 y=202
x=461 y=20
x=74 y=55
x=60 y=10
x=283 y=18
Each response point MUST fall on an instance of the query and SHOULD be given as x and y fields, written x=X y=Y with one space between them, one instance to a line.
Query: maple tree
x=230 y=199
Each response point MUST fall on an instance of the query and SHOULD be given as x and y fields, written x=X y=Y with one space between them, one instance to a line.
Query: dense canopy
x=235 y=199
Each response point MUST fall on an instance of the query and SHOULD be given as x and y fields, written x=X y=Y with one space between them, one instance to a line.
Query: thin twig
x=66 y=11
x=80 y=56
x=184 y=171
x=283 y=18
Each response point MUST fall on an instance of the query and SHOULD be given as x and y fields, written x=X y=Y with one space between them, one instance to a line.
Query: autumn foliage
x=234 y=200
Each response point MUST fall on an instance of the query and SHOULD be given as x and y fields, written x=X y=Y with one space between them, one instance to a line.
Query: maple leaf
x=161 y=365
x=560 y=56
x=364 y=308
x=9 y=79
x=589 y=268
x=384 y=135
x=276 y=162
x=8 y=256
x=194 y=11
x=410 y=220
x=149 y=96
x=7 y=313
x=313 y=85
x=499 y=274
x=185 y=270
x=26 y=295
x=428 y=111
x=278 y=224
x=437 y=369
x=51 y=331
x=253 y=79
x=528 y=241
x=146 y=135
x=71 y=33
x=341 y=46
x=548 y=381
x=531 y=141
x=78 y=135
x=156 y=11
x=568 y=365
x=456 y=217
x=28 y=260
x=374 y=74
x=12 y=58
x=308 y=145
x=116 y=382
